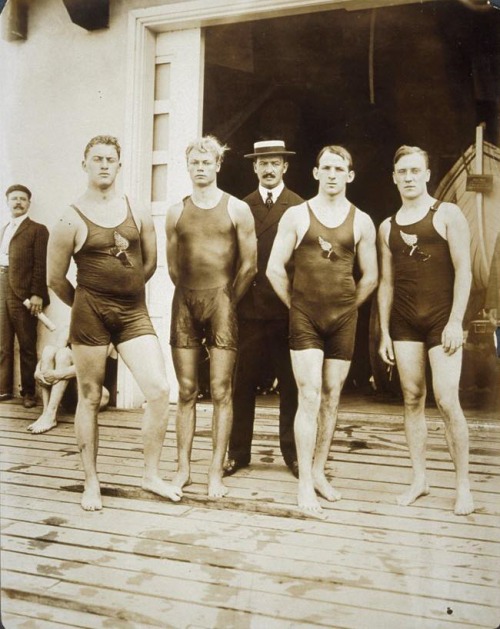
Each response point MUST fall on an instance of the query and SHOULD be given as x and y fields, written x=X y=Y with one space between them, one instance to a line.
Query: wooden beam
x=89 y=14
x=15 y=20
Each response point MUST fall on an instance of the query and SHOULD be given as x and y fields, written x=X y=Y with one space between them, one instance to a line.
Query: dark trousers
x=16 y=320
x=262 y=342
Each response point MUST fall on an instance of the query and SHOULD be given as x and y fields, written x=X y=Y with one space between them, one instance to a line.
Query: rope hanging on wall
x=371 y=51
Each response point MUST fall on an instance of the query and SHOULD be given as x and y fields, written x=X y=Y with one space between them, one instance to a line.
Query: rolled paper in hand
x=43 y=318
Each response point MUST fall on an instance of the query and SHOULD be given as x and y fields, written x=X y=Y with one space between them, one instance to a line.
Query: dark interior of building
x=371 y=80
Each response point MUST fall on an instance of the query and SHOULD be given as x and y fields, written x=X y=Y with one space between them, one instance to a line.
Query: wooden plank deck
x=250 y=560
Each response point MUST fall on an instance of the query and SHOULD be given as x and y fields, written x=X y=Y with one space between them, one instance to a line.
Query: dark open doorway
x=422 y=74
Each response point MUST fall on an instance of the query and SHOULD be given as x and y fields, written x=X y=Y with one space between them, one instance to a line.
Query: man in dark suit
x=263 y=318
x=23 y=292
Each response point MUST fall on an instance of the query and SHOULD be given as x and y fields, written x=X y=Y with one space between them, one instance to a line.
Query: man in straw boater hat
x=262 y=316
x=422 y=297
x=324 y=236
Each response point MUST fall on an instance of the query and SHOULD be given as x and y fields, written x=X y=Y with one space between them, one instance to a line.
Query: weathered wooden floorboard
x=250 y=559
x=17 y=614
x=318 y=545
x=292 y=600
x=342 y=514
x=358 y=451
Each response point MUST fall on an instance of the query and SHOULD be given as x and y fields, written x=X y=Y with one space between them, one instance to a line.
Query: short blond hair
x=208 y=144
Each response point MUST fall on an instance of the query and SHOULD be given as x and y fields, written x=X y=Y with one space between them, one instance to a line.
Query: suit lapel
x=24 y=225
x=257 y=207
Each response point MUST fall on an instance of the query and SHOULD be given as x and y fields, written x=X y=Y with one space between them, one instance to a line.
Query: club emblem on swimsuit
x=120 y=249
x=327 y=249
x=411 y=241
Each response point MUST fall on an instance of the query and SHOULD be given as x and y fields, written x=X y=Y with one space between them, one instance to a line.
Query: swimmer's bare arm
x=367 y=257
x=281 y=254
x=173 y=215
x=385 y=293
x=61 y=246
x=247 y=246
x=458 y=236
x=148 y=242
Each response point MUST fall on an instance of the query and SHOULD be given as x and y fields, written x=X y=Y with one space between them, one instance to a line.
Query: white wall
x=60 y=87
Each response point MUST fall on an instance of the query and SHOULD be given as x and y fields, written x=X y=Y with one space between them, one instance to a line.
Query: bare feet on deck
x=181 y=479
x=325 y=489
x=416 y=490
x=91 y=499
x=216 y=488
x=42 y=424
x=158 y=486
x=464 y=504
x=307 y=500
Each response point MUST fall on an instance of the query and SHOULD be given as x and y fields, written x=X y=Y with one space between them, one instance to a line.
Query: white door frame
x=143 y=25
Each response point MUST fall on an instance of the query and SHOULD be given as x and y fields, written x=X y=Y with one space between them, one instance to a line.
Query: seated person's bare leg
x=186 y=362
x=153 y=384
x=53 y=364
x=90 y=364
x=411 y=358
x=222 y=363
x=307 y=368
x=445 y=377
x=334 y=375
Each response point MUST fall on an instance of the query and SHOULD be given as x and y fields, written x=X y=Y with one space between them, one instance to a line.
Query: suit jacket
x=28 y=260
x=260 y=301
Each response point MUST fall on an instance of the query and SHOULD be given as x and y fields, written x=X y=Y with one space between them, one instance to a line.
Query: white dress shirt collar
x=9 y=231
x=275 y=191
x=18 y=220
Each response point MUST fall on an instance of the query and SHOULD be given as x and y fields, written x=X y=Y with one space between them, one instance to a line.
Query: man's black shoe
x=294 y=468
x=29 y=401
x=5 y=396
x=232 y=466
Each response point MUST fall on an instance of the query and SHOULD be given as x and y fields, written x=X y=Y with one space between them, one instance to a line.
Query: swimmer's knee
x=159 y=392
x=221 y=390
x=104 y=398
x=64 y=357
x=188 y=391
x=48 y=354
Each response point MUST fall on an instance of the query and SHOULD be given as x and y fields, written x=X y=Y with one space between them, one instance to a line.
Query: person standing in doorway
x=211 y=254
x=492 y=301
x=263 y=318
x=114 y=248
x=23 y=292
x=324 y=236
x=422 y=297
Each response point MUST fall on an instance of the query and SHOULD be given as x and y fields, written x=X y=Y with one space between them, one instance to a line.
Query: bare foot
x=216 y=488
x=158 y=486
x=91 y=499
x=42 y=424
x=415 y=490
x=307 y=500
x=464 y=503
x=325 y=489
x=181 y=479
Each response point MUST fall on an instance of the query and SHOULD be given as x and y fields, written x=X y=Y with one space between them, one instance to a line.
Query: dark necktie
x=269 y=200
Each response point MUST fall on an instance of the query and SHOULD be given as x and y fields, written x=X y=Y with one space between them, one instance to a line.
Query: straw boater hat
x=269 y=147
